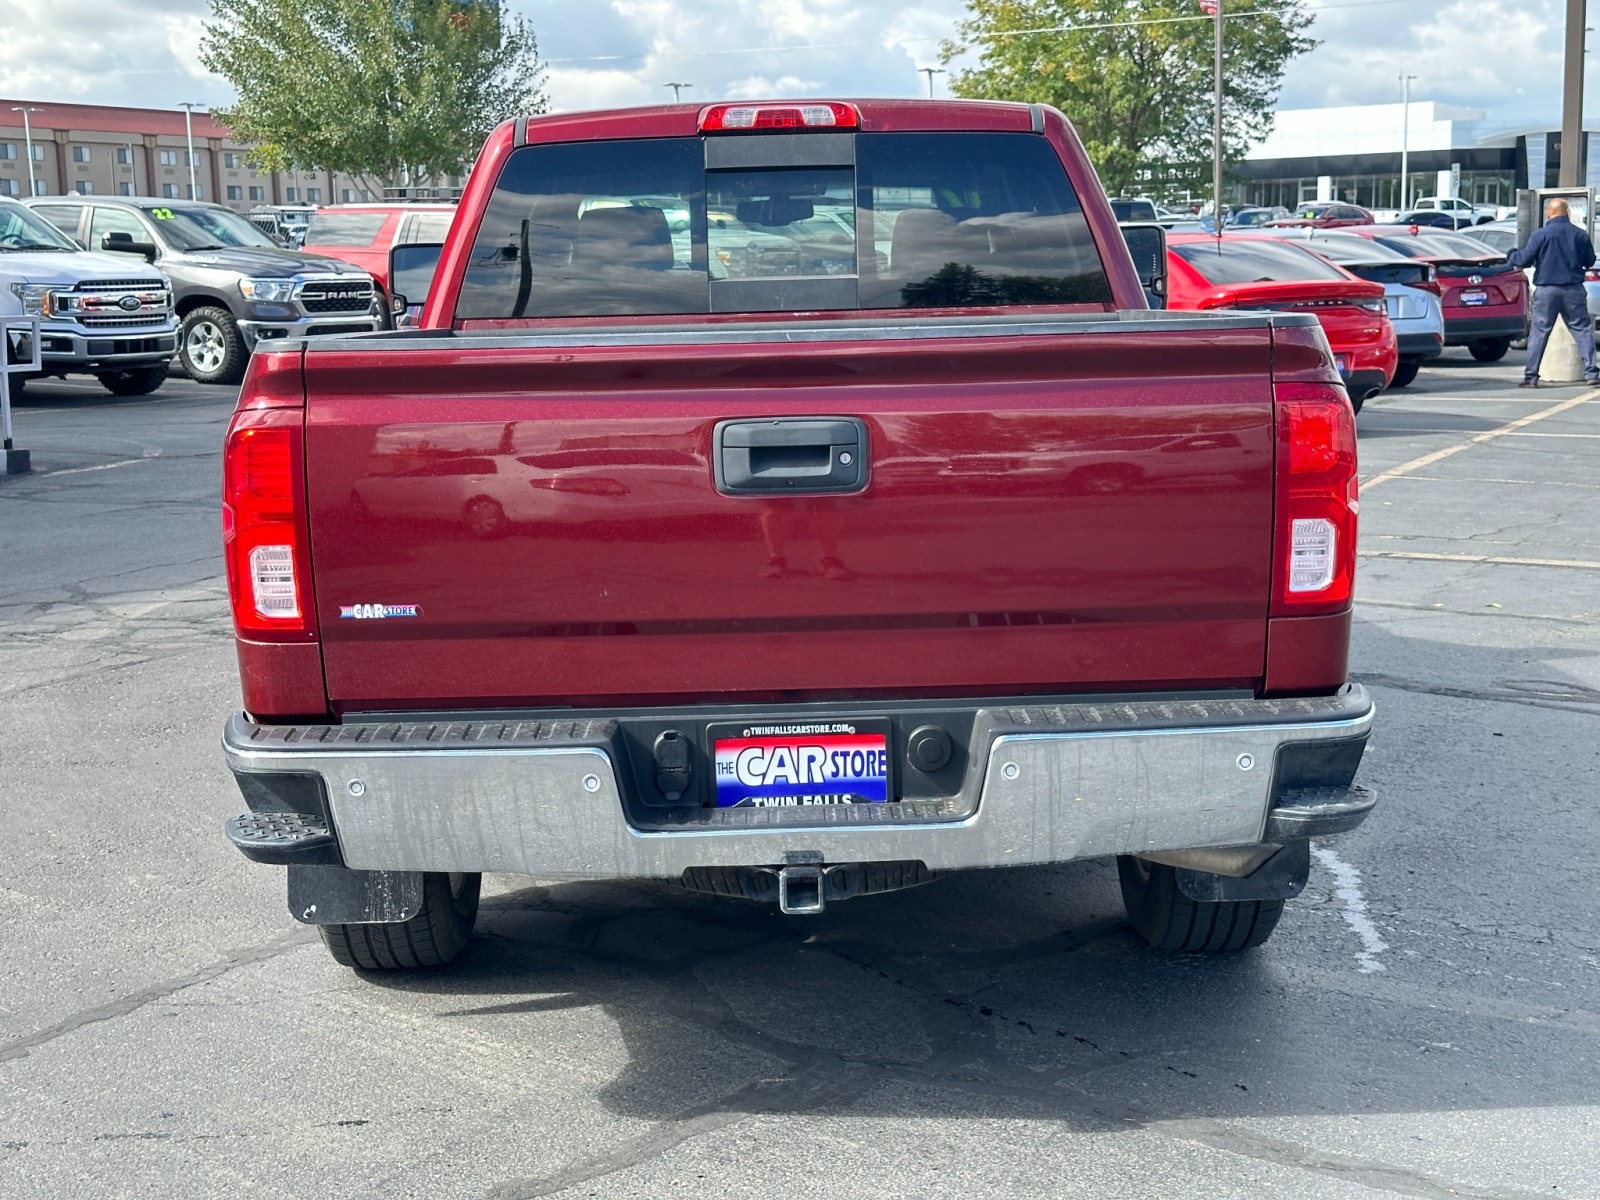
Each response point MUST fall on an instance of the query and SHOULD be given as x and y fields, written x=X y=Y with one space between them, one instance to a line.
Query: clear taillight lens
x=263 y=526
x=1317 y=500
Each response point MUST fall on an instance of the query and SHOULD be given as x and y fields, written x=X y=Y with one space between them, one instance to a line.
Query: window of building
x=41 y=188
x=258 y=193
x=83 y=187
x=38 y=152
x=346 y=196
x=169 y=158
x=232 y=159
x=313 y=195
x=124 y=155
x=124 y=188
x=291 y=194
x=235 y=192
x=8 y=150
x=10 y=187
x=169 y=190
x=195 y=191
x=80 y=154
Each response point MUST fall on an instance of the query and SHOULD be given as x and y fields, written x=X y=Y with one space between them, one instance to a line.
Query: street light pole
x=188 y=107
x=1572 y=99
x=1216 y=133
x=930 y=72
x=1405 y=142
x=27 y=136
x=677 y=90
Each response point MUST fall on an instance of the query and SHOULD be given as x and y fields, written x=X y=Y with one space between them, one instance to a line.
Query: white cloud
x=1503 y=56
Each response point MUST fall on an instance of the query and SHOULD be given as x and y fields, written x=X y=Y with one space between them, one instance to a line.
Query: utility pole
x=188 y=107
x=1405 y=142
x=930 y=72
x=27 y=136
x=677 y=90
x=1572 y=99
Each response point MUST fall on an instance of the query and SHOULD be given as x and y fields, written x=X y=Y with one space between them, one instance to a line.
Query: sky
x=1501 y=56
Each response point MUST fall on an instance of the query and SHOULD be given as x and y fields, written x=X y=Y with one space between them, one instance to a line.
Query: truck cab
x=98 y=314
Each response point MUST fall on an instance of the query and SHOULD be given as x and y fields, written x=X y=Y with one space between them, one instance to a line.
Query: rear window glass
x=426 y=227
x=1352 y=250
x=1254 y=261
x=345 y=229
x=1437 y=245
x=1133 y=210
x=922 y=220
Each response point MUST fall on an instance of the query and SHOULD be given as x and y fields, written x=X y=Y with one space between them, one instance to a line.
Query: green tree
x=398 y=89
x=1135 y=77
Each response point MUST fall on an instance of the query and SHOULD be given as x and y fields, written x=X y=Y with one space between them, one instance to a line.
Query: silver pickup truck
x=98 y=315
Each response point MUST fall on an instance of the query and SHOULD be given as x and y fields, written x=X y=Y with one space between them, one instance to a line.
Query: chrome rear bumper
x=1046 y=784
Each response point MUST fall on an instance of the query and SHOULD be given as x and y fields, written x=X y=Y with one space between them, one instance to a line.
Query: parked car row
x=122 y=283
x=1389 y=297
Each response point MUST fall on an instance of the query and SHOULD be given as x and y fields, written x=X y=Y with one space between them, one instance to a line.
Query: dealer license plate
x=1343 y=363
x=789 y=765
x=1474 y=298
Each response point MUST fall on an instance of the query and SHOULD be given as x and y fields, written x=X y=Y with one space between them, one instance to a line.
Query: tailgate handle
x=790 y=454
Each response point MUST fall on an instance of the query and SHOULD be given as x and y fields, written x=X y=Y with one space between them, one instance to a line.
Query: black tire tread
x=136 y=381
x=238 y=359
x=1171 y=921
x=432 y=938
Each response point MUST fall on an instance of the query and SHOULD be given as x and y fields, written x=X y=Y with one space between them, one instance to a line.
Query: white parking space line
x=1347 y=887
x=110 y=466
x=1542 y=483
x=1427 y=460
x=1495 y=559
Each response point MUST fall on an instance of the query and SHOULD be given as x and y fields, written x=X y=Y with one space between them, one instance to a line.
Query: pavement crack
x=1366 y=1172
x=134 y=1001
x=823 y=1083
x=1563 y=697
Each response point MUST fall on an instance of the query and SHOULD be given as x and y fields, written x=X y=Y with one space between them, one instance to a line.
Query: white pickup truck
x=98 y=314
x=1464 y=212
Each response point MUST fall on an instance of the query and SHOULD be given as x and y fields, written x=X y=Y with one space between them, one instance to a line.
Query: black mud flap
x=1281 y=877
x=325 y=895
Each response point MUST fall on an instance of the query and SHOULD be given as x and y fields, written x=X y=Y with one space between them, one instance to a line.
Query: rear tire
x=1169 y=920
x=1406 y=373
x=432 y=938
x=1490 y=349
x=139 y=381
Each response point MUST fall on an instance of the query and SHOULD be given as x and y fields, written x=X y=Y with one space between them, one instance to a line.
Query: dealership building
x=100 y=150
x=1353 y=154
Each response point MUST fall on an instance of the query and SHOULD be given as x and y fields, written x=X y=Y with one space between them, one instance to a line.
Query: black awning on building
x=1475 y=158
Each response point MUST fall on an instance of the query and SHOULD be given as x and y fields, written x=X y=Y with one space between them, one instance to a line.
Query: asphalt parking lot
x=1425 y=1023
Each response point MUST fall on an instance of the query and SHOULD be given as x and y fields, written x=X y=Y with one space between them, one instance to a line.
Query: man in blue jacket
x=1559 y=252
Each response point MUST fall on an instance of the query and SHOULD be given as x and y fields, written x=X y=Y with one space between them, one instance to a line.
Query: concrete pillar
x=1560 y=363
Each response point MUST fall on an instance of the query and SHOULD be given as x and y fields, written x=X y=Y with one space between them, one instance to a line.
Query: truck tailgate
x=534 y=521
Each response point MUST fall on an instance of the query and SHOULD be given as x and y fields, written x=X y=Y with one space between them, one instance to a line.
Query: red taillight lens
x=1591 y=276
x=1315 y=563
x=263 y=526
x=744 y=118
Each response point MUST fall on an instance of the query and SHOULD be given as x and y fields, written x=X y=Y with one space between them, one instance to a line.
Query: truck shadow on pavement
x=1011 y=993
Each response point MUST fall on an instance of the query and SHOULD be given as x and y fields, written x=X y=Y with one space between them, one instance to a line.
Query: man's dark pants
x=1570 y=305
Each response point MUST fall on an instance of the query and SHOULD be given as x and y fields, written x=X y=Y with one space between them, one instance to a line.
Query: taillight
x=1317 y=500
x=743 y=118
x=1591 y=276
x=264 y=528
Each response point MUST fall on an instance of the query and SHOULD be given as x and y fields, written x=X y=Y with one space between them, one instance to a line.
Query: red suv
x=364 y=234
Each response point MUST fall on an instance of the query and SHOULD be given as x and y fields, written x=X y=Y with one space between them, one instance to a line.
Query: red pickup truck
x=793 y=501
